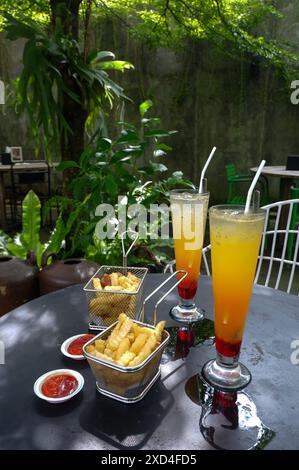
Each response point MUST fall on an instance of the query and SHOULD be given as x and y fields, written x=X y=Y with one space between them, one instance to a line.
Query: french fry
x=158 y=330
x=147 y=331
x=133 y=278
x=139 y=343
x=100 y=345
x=103 y=356
x=96 y=282
x=131 y=336
x=118 y=335
x=113 y=288
x=126 y=358
x=146 y=350
x=122 y=348
x=100 y=308
x=91 y=349
x=108 y=352
x=118 y=281
x=114 y=279
x=136 y=329
x=129 y=343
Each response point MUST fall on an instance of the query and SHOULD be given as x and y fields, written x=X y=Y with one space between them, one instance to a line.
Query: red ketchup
x=75 y=348
x=59 y=385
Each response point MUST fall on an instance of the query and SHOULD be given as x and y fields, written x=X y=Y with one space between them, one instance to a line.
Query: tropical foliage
x=131 y=168
x=122 y=171
x=29 y=238
x=64 y=85
x=65 y=88
x=58 y=87
x=237 y=23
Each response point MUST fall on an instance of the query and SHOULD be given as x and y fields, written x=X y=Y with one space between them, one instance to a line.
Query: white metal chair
x=271 y=276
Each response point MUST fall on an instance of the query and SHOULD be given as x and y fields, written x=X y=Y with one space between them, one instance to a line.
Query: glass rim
x=188 y=191
x=220 y=207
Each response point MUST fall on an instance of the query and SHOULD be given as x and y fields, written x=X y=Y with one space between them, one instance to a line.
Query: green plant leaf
x=144 y=107
x=67 y=164
x=111 y=185
x=147 y=121
x=4 y=241
x=126 y=125
x=164 y=147
x=104 y=55
x=178 y=174
x=128 y=137
x=17 y=250
x=31 y=220
x=159 y=167
x=159 y=153
x=159 y=133
x=104 y=144
x=57 y=236
x=120 y=65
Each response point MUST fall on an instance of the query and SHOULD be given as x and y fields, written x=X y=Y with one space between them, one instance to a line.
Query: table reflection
x=228 y=421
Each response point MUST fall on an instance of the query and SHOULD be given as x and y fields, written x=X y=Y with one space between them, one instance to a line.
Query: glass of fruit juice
x=189 y=213
x=235 y=243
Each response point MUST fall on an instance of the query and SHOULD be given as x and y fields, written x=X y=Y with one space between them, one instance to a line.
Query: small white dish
x=65 y=346
x=38 y=384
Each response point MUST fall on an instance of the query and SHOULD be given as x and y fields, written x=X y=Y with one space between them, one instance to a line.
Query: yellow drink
x=235 y=242
x=189 y=213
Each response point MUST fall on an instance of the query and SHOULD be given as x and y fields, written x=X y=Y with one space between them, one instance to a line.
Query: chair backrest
x=276 y=260
x=272 y=264
x=230 y=171
x=294 y=192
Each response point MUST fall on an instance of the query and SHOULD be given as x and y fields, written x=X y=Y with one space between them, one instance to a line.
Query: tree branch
x=86 y=29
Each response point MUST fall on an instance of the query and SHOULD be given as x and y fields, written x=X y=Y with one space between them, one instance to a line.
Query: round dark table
x=166 y=418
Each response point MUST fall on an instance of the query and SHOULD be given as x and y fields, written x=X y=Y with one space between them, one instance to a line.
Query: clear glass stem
x=187 y=311
x=227 y=361
x=187 y=303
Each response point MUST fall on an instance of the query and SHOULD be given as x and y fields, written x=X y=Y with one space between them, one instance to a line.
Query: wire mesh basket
x=130 y=384
x=105 y=306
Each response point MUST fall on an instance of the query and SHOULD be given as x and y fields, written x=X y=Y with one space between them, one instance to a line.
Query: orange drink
x=235 y=243
x=189 y=213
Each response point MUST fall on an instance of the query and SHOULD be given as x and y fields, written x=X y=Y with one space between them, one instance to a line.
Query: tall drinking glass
x=235 y=243
x=189 y=213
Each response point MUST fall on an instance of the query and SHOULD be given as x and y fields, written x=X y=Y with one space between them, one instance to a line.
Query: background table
x=166 y=418
x=22 y=167
x=286 y=178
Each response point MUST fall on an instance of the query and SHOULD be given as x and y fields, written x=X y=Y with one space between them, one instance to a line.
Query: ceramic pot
x=64 y=273
x=18 y=282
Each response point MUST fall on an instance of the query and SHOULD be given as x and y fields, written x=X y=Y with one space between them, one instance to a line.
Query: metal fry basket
x=129 y=384
x=104 y=307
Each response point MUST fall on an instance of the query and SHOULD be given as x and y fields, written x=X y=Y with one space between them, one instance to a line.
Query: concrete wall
x=243 y=109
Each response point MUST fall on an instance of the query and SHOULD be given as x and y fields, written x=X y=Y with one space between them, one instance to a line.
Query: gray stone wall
x=242 y=108
x=14 y=130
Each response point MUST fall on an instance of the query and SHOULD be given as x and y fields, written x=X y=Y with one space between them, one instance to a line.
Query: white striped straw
x=252 y=186
x=205 y=168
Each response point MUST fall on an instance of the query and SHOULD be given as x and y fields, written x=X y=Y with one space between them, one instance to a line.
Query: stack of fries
x=121 y=299
x=129 y=344
x=117 y=282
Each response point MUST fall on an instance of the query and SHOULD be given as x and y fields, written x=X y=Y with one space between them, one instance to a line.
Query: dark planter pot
x=61 y=274
x=18 y=283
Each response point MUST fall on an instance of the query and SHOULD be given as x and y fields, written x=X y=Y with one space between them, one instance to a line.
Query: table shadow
x=48 y=410
x=126 y=426
x=228 y=421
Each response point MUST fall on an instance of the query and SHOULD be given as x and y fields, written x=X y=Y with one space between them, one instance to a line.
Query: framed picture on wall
x=16 y=154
